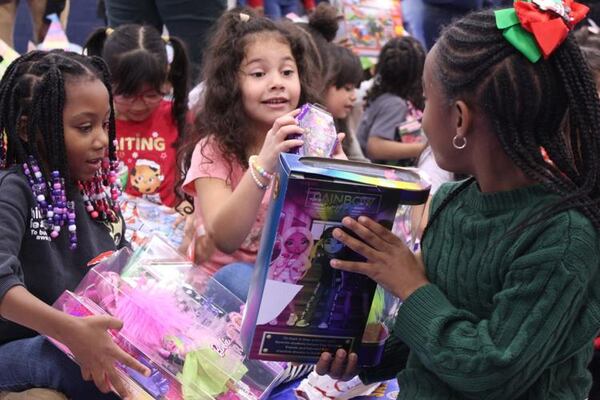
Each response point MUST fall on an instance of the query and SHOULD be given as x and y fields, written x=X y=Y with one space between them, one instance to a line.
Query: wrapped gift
x=298 y=306
x=187 y=335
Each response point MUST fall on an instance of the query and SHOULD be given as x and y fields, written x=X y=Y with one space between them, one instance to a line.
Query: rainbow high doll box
x=298 y=306
x=188 y=335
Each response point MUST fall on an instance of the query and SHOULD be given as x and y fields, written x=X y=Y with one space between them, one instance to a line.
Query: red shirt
x=147 y=150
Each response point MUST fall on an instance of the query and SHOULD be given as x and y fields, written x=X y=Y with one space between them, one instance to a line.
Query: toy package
x=410 y=130
x=145 y=219
x=187 y=335
x=298 y=306
x=369 y=24
x=319 y=136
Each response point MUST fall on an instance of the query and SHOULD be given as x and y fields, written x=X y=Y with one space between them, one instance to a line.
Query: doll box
x=187 y=332
x=298 y=306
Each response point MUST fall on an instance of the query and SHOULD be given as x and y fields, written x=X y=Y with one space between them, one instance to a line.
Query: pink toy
x=291 y=264
x=150 y=314
x=319 y=136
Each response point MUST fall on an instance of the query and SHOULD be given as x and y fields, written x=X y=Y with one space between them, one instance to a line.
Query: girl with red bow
x=504 y=300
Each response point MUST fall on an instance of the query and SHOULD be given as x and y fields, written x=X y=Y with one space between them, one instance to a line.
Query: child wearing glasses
x=148 y=125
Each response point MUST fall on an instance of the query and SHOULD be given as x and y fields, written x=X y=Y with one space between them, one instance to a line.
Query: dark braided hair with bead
x=399 y=71
x=550 y=106
x=32 y=98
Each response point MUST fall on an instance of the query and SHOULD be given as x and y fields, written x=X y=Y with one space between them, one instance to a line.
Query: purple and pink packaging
x=188 y=335
x=298 y=306
x=320 y=137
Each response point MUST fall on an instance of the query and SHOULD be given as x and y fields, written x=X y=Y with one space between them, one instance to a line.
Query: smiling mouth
x=275 y=101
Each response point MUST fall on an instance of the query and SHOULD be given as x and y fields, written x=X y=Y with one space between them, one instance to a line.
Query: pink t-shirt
x=208 y=162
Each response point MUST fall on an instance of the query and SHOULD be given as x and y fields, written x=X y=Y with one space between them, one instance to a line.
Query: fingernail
x=337 y=233
x=334 y=263
x=362 y=219
x=347 y=221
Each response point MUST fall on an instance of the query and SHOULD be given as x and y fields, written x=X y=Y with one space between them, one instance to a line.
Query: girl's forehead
x=257 y=40
x=266 y=35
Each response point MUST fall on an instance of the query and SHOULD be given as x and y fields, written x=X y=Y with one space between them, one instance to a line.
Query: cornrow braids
x=14 y=104
x=32 y=90
x=550 y=105
x=32 y=101
x=399 y=71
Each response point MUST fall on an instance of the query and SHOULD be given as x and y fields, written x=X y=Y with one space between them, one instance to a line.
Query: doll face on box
x=332 y=245
x=297 y=243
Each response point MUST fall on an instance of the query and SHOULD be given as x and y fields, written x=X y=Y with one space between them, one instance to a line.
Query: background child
x=505 y=300
x=341 y=73
x=256 y=76
x=343 y=76
x=148 y=125
x=395 y=95
x=57 y=118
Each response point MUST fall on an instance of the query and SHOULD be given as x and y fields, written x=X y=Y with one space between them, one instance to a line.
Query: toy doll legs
x=35 y=362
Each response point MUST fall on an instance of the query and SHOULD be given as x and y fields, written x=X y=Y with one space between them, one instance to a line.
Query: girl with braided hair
x=57 y=212
x=504 y=300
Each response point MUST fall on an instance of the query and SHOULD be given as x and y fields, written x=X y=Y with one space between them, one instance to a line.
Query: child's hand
x=338 y=152
x=96 y=353
x=339 y=367
x=276 y=140
x=189 y=230
x=389 y=262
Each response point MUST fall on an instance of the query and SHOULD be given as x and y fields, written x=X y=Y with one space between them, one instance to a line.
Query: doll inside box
x=187 y=331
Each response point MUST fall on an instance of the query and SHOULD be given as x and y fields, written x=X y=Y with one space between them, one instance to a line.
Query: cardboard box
x=298 y=306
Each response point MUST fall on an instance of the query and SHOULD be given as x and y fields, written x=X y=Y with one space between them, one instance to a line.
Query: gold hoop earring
x=459 y=146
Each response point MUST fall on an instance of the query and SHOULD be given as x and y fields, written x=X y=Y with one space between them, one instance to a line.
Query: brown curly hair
x=222 y=114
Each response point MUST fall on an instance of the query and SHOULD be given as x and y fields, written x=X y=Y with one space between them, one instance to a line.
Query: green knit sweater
x=506 y=316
